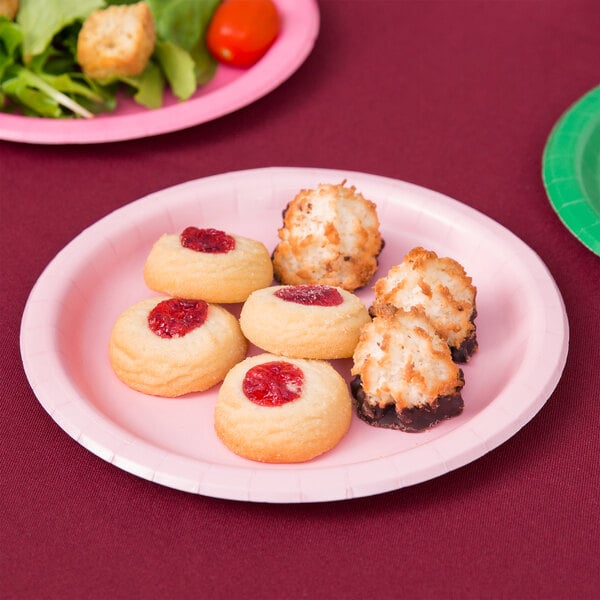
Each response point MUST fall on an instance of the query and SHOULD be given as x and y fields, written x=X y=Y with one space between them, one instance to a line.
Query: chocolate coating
x=469 y=345
x=413 y=419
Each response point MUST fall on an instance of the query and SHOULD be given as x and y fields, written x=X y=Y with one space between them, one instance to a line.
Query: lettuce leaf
x=11 y=38
x=178 y=67
x=184 y=23
x=41 y=20
x=148 y=86
x=39 y=74
x=36 y=88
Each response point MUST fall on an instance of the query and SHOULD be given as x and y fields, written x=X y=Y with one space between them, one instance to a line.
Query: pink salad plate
x=522 y=330
x=230 y=90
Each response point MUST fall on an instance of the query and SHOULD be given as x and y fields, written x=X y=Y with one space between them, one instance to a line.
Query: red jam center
x=273 y=383
x=175 y=317
x=311 y=295
x=213 y=241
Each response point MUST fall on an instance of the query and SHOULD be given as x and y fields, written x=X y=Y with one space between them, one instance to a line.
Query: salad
x=40 y=75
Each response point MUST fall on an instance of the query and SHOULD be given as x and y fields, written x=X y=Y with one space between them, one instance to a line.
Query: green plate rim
x=562 y=167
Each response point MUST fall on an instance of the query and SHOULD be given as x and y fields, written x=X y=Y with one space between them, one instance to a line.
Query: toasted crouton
x=9 y=8
x=116 y=41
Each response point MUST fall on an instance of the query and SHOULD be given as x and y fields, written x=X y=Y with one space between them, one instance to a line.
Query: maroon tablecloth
x=457 y=96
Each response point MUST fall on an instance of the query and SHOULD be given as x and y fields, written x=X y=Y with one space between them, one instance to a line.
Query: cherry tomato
x=241 y=31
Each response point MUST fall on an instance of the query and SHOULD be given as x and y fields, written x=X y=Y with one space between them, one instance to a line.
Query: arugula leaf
x=31 y=93
x=11 y=38
x=38 y=92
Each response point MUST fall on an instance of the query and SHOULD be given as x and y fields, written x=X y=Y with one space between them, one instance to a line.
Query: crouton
x=116 y=41
x=9 y=8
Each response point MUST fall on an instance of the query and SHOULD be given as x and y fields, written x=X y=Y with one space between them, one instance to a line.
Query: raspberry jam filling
x=213 y=241
x=273 y=383
x=310 y=295
x=175 y=317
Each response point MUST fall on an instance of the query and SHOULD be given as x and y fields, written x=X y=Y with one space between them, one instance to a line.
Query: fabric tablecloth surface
x=456 y=96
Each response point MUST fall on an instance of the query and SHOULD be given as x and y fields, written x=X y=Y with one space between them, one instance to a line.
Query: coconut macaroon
x=116 y=41
x=304 y=321
x=330 y=236
x=442 y=289
x=405 y=377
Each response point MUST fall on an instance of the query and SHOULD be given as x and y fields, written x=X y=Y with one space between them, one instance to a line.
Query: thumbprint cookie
x=405 y=377
x=282 y=410
x=208 y=264
x=171 y=346
x=330 y=236
x=304 y=321
x=441 y=288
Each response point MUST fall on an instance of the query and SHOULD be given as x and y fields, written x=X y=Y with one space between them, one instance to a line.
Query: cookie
x=305 y=321
x=282 y=410
x=170 y=347
x=330 y=236
x=405 y=377
x=441 y=288
x=208 y=264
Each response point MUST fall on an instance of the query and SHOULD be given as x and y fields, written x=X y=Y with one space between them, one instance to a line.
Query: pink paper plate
x=229 y=90
x=522 y=332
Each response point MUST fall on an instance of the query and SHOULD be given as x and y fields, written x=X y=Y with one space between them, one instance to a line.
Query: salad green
x=39 y=74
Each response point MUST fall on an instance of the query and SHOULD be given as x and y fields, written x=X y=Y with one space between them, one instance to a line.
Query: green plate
x=571 y=169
